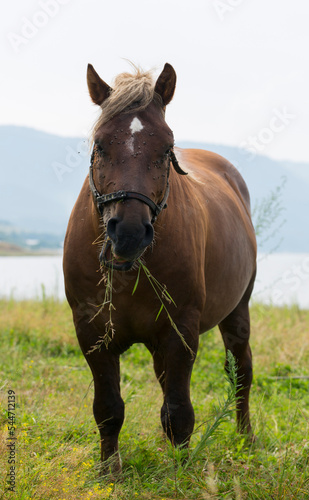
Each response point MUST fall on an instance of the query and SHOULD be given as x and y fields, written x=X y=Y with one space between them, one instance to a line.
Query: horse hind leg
x=235 y=331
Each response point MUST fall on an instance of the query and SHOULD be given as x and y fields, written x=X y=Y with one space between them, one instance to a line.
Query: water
x=281 y=279
x=31 y=277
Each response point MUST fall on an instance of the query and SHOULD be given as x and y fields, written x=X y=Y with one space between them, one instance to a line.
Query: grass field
x=57 y=442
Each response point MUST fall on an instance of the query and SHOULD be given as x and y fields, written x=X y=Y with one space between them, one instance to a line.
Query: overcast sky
x=242 y=66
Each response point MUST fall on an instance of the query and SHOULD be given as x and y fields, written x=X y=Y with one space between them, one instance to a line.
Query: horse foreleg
x=108 y=410
x=108 y=406
x=235 y=330
x=173 y=368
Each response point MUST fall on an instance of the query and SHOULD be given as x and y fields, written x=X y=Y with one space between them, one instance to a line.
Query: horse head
x=133 y=149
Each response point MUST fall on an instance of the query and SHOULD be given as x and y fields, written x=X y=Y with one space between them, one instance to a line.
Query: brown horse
x=202 y=247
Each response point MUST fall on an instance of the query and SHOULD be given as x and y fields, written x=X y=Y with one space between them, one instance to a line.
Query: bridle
x=103 y=199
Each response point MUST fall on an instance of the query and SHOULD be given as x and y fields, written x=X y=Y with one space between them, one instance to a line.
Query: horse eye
x=99 y=149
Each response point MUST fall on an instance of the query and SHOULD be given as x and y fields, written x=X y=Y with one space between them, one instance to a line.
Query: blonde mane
x=130 y=93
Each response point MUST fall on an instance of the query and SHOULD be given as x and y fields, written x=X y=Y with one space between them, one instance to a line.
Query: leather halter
x=102 y=199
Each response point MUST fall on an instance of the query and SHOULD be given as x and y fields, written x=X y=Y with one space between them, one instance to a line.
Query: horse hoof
x=252 y=438
x=111 y=468
x=249 y=436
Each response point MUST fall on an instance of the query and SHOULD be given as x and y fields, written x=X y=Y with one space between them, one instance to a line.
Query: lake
x=282 y=278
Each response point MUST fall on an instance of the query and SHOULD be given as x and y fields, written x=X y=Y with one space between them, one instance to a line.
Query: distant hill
x=42 y=175
x=13 y=238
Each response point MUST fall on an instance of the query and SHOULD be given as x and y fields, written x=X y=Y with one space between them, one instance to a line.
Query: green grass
x=58 y=442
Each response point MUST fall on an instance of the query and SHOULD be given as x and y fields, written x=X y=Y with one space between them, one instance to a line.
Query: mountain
x=42 y=175
x=26 y=239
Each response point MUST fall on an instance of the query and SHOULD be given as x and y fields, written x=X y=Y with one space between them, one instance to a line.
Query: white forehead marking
x=136 y=125
x=130 y=144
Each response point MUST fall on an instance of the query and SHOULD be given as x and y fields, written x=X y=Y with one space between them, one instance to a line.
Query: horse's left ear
x=166 y=83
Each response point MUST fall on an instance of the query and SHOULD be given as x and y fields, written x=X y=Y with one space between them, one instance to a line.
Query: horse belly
x=228 y=273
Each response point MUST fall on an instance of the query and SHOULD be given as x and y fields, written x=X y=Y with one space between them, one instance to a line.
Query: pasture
x=57 y=441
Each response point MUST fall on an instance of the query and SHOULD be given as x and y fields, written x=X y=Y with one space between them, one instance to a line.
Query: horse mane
x=130 y=93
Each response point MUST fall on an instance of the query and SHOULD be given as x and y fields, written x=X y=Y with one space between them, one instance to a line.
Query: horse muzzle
x=124 y=244
x=111 y=260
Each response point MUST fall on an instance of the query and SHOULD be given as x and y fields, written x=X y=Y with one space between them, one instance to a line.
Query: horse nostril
x=148 y=233
x=111 y=227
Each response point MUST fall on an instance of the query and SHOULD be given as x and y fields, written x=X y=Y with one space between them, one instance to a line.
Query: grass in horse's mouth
x=162 y=294
x=110 y=260
x=159 y=290
x=112 y=257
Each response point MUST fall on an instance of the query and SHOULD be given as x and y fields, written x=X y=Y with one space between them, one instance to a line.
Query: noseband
x=103 y=199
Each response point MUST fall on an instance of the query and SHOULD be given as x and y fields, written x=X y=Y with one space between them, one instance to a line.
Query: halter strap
x=103 y=199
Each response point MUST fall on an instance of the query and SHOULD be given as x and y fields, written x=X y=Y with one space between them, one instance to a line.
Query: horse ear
x=98 y=89
x=166 y=83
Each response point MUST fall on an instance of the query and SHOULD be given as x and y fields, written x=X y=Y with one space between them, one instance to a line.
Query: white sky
x=241 y=64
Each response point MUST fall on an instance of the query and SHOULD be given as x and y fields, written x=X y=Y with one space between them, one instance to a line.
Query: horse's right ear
x=98 y=89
